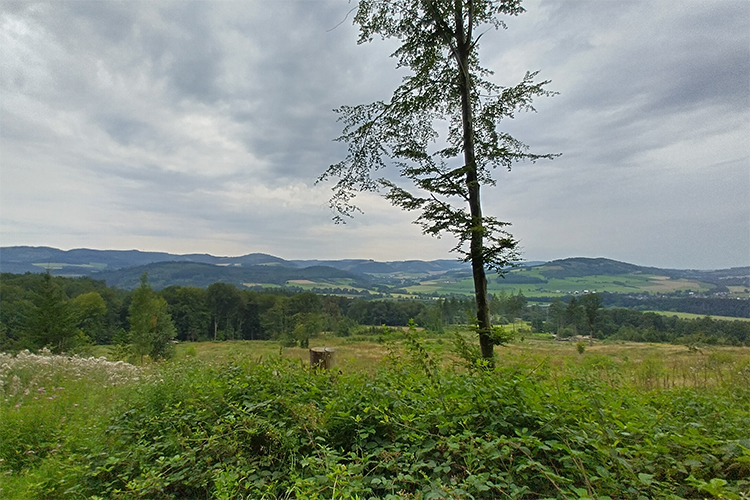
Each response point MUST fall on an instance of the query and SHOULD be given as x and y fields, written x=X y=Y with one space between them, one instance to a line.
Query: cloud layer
x=202 y=126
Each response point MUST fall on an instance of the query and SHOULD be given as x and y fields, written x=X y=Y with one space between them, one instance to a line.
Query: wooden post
x=322 y=357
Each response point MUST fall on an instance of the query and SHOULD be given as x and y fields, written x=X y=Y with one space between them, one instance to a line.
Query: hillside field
x=562 y=286
x=123 y=269
x=697 y=316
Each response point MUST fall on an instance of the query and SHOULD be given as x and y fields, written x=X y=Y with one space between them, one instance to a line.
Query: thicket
x=416 y=427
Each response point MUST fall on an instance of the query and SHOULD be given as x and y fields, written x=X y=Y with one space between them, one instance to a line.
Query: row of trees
x=36 y=312
x=66 y=314
x=585 y=316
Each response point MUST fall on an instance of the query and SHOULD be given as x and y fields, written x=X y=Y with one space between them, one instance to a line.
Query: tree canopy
x=151 y=327
x=439 y=176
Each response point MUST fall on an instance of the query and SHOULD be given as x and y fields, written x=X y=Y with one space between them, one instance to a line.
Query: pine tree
x=52 y=322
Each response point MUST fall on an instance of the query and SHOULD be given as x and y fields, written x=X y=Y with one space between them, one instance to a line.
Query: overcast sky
x=200 y=127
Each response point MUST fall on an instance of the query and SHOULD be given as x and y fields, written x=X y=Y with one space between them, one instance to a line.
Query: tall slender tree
x=591 y=304
x=439 y=43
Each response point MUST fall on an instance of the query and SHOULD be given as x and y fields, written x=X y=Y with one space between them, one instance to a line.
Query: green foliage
x=345 y=327
x=580 y=347
x=411 y=429
x=52 y=321
x=189 y=308
x=467 y=350
x=50 y=405
x=151 y=327
x=29 y=302
x=90 y=311
x=100 y=312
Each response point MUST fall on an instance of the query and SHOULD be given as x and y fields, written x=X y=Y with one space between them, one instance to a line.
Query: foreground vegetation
x=403 y=419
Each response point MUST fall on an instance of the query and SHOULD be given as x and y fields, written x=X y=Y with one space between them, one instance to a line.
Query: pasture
x=631 y=283
x=683 y=315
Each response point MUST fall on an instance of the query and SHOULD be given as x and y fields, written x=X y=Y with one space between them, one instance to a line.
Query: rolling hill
x=439 y=277
x=164 y=274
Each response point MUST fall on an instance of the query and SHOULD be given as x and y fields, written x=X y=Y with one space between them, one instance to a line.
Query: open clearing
x=672 y=364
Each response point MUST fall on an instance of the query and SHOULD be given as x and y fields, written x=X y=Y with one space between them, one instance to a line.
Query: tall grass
x=51 y=406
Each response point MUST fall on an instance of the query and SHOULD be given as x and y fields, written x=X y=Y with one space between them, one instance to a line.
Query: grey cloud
x=170 y=109
x=125 y=130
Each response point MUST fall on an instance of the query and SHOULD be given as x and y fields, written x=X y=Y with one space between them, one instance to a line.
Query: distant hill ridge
x=24 y=257
x=124 y=267
x=583 y=266
x=164 y=274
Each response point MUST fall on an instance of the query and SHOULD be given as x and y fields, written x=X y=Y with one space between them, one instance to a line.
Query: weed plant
x=418 y=427
x=51 y=406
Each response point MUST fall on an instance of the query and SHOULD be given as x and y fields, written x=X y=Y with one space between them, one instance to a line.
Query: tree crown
x=440 y=46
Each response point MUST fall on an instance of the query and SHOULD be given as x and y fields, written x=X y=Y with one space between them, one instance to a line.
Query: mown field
x=399 y=417
x=562 y=286
x=683 y=315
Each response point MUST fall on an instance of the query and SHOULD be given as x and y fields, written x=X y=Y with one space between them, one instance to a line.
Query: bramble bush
x=415 y=428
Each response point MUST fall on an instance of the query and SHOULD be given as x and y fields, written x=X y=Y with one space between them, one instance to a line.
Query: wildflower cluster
x=26 y=372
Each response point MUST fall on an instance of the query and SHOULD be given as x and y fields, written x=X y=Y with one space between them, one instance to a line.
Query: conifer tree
x=52 y=322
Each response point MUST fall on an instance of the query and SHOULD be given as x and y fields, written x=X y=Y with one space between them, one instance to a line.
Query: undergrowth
x=418 y=428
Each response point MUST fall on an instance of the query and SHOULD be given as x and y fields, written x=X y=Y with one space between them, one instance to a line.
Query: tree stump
x=322 y=357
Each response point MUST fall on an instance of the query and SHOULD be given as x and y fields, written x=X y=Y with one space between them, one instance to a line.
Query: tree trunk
x=484 y=327
x=322 y=357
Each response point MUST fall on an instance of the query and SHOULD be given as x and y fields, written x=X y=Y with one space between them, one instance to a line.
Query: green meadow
x=682 y=315
x=563 y=286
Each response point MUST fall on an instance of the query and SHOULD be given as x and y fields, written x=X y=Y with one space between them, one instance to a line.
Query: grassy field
x=669 y=365
x=615 y=284
x=697 y=316
x=446 y=285
x=58 y=265
x=399 y=417
x=676 y=364
x=343 y=283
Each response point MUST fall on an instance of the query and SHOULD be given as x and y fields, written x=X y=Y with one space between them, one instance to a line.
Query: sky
x=201 y=127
